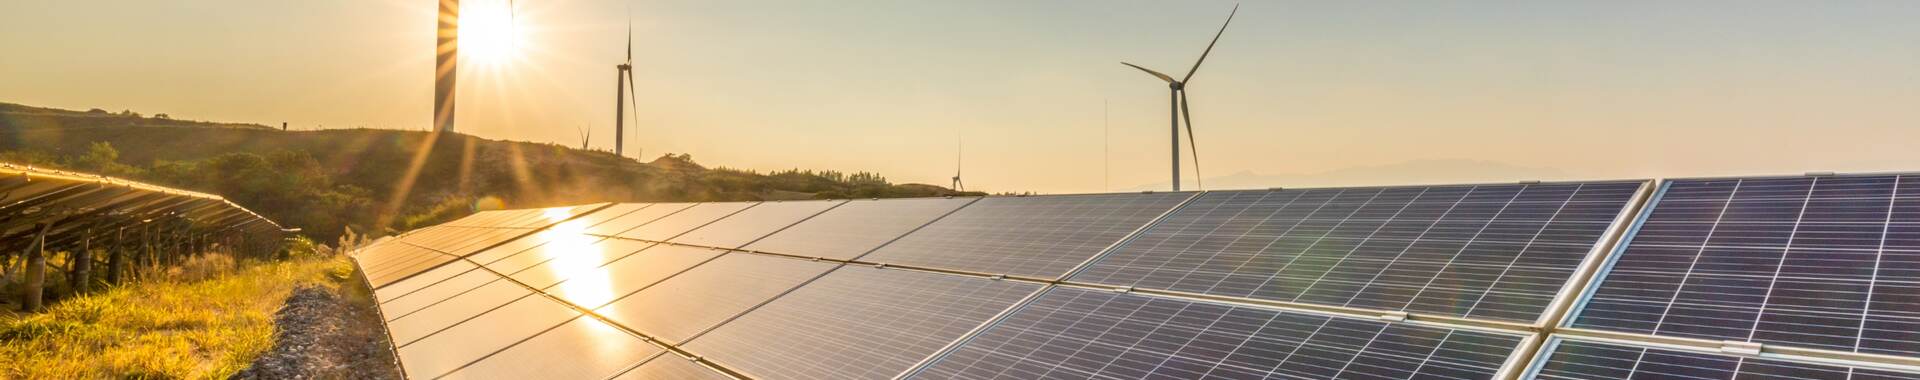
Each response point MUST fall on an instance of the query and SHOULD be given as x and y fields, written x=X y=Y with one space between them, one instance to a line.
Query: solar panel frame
x=1901 y=184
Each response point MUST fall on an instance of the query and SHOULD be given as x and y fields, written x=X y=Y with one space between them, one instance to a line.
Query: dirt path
x=320 y=334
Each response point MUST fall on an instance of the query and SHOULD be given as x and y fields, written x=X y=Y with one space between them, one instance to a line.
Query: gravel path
x=319 y=335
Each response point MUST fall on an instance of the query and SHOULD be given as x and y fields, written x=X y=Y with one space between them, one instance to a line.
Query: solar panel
x=560 y=246
x=857 y=323
x=404 y=287
x=401 y=261
x=671 y=367
x=857 y=227
x=1479 y=251
x=1072 y=333
x=583 y=348
x=1821 y=262
x=408 y=327
x=698 y=299
x=609 y=213
x=753 y=223
x=480 y=336
x=428 y=294
x=591 y=288
x=1040 y=237
x=637 y=218
x=1581 y=360
x=564 y=261
x=693 y=217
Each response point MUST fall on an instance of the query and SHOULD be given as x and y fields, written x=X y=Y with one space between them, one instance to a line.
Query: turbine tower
x=445 y=54
x=1180 y=105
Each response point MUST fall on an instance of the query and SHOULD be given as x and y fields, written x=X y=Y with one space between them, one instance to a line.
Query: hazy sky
x=1602 y=89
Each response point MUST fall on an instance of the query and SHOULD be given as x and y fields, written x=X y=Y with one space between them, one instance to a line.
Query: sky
x=1296 y=94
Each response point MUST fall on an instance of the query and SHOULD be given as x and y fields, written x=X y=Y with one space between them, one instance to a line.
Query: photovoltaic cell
x=583 y=348
x=1486 y=251
x=856 y=227
x=1043 y=236
x=1578 y=360
x=698 y=299
x=753 y=223
x=857 y=323
x=693 y=217
x=1822 y=262
x=1072 y=333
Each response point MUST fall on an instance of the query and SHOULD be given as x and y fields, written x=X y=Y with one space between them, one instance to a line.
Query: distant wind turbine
x=958 y=154
x=586 y=136
x=1180 y=105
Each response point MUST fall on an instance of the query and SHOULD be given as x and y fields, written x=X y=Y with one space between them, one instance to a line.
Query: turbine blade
x=1216 y=39
x=630 y=33
x=634 y=98
x=1192 y=144
x=1156 y=74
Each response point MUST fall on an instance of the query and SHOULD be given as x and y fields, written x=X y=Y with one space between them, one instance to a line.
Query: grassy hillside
x=326 y=180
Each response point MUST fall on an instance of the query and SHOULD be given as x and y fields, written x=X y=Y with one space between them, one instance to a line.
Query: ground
x=208 y=318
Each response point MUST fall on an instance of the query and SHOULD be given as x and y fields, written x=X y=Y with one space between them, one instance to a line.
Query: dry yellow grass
x=205 y=319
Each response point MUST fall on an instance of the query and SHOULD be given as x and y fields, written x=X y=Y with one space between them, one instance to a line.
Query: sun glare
x=488 y=34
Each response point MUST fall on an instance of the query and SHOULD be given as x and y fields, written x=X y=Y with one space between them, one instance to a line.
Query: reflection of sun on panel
x=577 y=259
x=556 y=214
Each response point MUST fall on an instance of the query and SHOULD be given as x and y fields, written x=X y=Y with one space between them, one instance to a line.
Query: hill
x=384 y=180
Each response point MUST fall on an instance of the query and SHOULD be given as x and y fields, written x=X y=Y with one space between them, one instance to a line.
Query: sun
x=488 y=35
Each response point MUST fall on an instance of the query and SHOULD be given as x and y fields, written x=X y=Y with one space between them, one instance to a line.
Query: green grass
x=204 y=319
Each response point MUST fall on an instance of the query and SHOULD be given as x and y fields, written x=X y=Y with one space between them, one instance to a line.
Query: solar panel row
x=1223 y=266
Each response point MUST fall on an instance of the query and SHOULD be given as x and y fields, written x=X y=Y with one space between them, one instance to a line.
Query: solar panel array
x=1582 y=280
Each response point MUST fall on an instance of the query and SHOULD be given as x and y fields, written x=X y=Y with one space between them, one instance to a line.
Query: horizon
x=1294 y=91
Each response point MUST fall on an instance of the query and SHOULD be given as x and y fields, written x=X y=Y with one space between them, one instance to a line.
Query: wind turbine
x=586 y=136
x=623 y=82
x=1180 y=108
x=958 y=152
